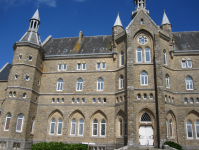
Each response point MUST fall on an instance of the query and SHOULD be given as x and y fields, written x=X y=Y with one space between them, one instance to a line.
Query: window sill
x=100 y=137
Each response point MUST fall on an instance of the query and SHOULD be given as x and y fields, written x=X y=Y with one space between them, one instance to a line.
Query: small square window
x=104 y=65
x=83 y=100
x=14 y=94
x=24 y=95
x=30 y=58
x=27 y=78
x=59 y=67
x=73 y=100
x=83 y=66
x=16 y=76
x=62 y=100
x=58 y=100
x=98 y=65
x=99 y=100
x=53 y=100
x=184 y=64
x=78 y=100
x=94 y=100
x=64 y=66
x=78 y=66
x=189 y=63
x=104 y=100
x=20 y=56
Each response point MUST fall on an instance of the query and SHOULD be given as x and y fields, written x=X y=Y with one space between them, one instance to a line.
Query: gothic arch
x=76 y=112
x=100 y=112
x=171 y=124
x=146 y=109
x=53 y=112
x=191 y=112
x=120 y=113
x=143 y=31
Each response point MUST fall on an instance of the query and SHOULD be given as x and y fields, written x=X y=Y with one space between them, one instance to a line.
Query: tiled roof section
x=66 y=46
x=186 y=40
x=5 y=72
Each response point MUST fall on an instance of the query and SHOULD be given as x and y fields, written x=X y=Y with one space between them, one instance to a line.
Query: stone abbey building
x=137 y=87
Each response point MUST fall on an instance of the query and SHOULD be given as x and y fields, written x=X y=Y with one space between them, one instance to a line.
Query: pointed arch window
x=81 y=127
x=122 y=59
x=147 y=55
x=139 y=55
x=100 y=84
x=59 y=127
x=121 y=82
x=167 y=128
x=185 y=100
x=95 y=127
x=73 y=127
x=19 y=123
x=120 y=121
x=32 y=126
x=165 y=57
x=171 y=129
x=52 y=126
x=60 y=85
x=145 y=118
x=167 y=81
x=103 y=128
x=197 y=129
x=144 y=78
x=7 y=122
x=189 y=83
x=79 y=84
x=189 y=130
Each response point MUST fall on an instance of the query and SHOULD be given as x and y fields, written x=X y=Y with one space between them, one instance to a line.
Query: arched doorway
x=146 y=132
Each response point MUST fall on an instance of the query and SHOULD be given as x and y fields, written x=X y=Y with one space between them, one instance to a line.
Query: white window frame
x=184 y=64
x=83 y=100
x=58 y=126
x=150 y=96
x=101 y=128
x=24 y=95
x=78 y=100
x=99 y=100
x=167 y=81
x=144 y=76
x=165 y=57
x=78 y=64
x=186 y=101
x=98 y=68
x=104 y=100
x=63 y=100
x=191 y=129
x=147 y=49
x=60 y=83
x=103 y=65
x=121 y=82
x=122 y=59
x=21 y=124
x=101 y=88
x=10 y=94
x=59 y=68
x=189 y=82
x=16 y=77
x=6 y=122
x=93 y=126
x=138 y=97
x=64 y=67
x=72 y=126
x=32 y=125
x=120 y=127
x=51 y=126
x=79 y=127
x=73 y=100
x=167 y=128
x=191 y=100
x=80 y=85
x=196 y=125
x=53 y=100
x=144 y=95
x=14 y=94
x=94 y=99
x=58 y=100
x=83 y=66
x=171 y=128
x=197 y=100
x=188 y=63
x=139 y=50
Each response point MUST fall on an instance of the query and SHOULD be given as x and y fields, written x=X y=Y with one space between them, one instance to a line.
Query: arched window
x=120 y=121
x=100 y=84
x=191 y=100
x=79 y=84
x=139 y=55
x=197 y=129
x=122 y=59
x=19 y=123
x=59 y=127
x=167 y=81
x=95 y=127
x=7 y=122
x=147 y=55
x=144 y=78
x=145 y=118
x=73 y=127
x=185 y=100
x=60 y=85
x=197 y=100
x=81 y=127
x=171 y=129
x=165 y=57
x=121 y=82
x=103 y=127
x=151 y=96
x=189 y=83
x=189 y=130
x=32 y=126
x=167 y=128
x=139 y=96
x=52 y=126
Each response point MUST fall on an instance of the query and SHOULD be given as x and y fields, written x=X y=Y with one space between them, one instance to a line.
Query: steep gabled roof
x=4 y=73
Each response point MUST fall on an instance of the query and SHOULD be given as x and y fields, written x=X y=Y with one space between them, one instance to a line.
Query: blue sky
x=65 y=18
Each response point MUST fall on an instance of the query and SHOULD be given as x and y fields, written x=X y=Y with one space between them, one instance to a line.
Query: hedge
x=174 y=145
x=58 y=146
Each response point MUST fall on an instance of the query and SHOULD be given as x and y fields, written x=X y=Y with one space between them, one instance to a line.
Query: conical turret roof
x=165 y=19
x=36 y=15
x=118 y=21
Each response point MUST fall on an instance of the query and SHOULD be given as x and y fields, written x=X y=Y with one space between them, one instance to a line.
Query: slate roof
x=186 y=40
x=89 y=44
x=5 y=72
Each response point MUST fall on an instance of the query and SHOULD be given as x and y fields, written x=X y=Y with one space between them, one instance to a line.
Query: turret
x=139 y=5
x=166 y=25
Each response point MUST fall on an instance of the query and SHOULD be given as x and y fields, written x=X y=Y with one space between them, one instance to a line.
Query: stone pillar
x=160 y=103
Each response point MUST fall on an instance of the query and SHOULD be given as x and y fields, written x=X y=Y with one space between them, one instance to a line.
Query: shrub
x=58 y=146
x=174 y=145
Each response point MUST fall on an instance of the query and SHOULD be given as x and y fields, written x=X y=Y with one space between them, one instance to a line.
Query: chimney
x=80 y=37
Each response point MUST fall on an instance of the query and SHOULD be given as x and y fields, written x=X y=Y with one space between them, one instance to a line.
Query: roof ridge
x=4 y=66
x=84 y=36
